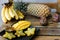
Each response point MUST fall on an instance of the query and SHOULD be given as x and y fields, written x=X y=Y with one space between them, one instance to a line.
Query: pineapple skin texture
x=38 y=10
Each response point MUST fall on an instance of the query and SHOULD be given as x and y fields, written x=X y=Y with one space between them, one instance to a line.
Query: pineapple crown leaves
x=20 y=6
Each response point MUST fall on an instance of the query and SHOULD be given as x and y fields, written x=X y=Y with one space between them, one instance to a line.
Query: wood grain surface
x=47 y=38
x=58 y=5
x=50 y=32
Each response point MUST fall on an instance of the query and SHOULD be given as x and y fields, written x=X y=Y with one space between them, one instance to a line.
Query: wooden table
x=51 y=32
x=47 y=38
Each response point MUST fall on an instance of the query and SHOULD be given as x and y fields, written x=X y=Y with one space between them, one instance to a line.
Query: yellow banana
x=20 y=15
x=7 y=15
x=16 y=16
x=3 y=14
x=11 y=13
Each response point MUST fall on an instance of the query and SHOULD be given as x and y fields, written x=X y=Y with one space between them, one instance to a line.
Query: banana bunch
x=8 y=13
x=21 y=25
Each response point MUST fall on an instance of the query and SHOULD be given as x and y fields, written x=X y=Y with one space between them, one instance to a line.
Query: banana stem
x=11 y=1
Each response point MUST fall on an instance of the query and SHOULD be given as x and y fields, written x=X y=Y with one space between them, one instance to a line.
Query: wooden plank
x=52 y=5
x=47 y=38
x=59 y=6
x=49 y=31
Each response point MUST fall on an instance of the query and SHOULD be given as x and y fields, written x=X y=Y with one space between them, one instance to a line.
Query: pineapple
x=33 y=9
x=38 y=10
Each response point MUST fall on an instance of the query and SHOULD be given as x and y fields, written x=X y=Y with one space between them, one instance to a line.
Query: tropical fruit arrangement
x=19 y=29
x=19 y=33
x=17 y=11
